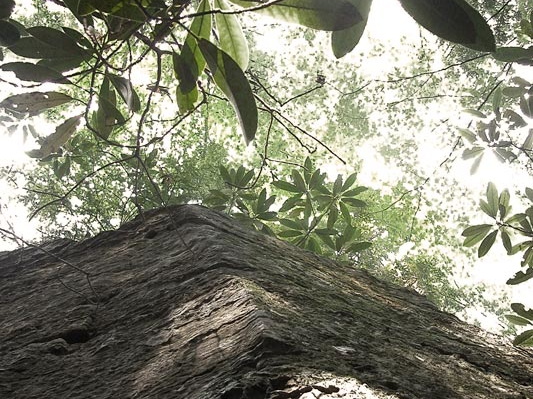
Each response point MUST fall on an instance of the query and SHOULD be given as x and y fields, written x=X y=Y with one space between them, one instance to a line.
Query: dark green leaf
x=524 y=339
x=126 y=91
x=344 y=41
x=517 y=320
x=486 y=244
x=506 y=241
x=9 y=34
x=286 y=186
x=34 y=73
x=354 y=202
x=231 y=80
x=298 y=181
x=520 y=309
x=360 y=246
x=521 y=277
x=290 y=233
x=478 y=229
x=452 y=20
x=513 y=54
x=62 y=134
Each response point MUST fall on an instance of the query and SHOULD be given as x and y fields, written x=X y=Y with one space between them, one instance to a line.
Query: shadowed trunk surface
x=196 y=306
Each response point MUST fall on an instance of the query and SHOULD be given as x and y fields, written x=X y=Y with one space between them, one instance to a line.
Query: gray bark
x=189 y=304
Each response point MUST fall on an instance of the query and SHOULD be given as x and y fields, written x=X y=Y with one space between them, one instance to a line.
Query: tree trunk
x=188 y=304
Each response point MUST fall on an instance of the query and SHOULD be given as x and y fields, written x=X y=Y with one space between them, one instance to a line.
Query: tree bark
x=188 y=304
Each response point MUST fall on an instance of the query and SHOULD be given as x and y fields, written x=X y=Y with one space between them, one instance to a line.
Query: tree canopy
x=153 y=100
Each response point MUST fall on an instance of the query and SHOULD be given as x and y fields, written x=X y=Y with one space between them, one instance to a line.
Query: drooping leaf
x=230 y=35
x=327 y=15
x=452 y=20
x=9 y=34
x=34 y=73
x=506 y=240
x=344 y=41
x=126 y=91
x=229 y=77
x=34 y=102
x=62 y=134
x=492 y=199
x=486 y=244
x=107 y=116
x=55 y=38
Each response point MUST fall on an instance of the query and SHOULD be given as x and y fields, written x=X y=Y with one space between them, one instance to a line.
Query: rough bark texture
x=191 y=305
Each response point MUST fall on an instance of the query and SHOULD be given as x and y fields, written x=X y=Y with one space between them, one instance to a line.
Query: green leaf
x=524 y=339
x=486 y=244
x=35 y=102
x=9 y=34
x=476 y=230
x=346 y=214
x=291 y=224
x=34 y=73
x=349 y=182
x=452 y=20
x=30 y=47
x=521 y=277
x=230 y=35
x=513 y=54
x=186 y=101
x=231 y=80
x=503 y=203
x=514 y=92
x=290 y=233
x=354 y=202
x=517 y=320
x=328 y=15
x=475 y=112
x=126 y=91
x=354 y=192
x=472 y=152
x=107 y=115
x=520 y=309
x=492 y=200
x=526 y=106
x=62 y=134
x=468 y=135
x=506 y=241
x=56 y=39
x=515 y=119
x=529 y=193
x=528 y=142
x=344 y=41
x=360 y=246
x=286 y=186
x=298 y=181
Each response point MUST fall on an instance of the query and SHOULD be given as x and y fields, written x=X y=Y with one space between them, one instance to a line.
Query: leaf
x=299 y=181
x=344 y=41
x=34 y=102
x=62 y=134
x=291 y=224
x=475 y=112
x=529 y=193
x=354 y=202
x=452 y=20
x=360 y=246
x=475 y=164
x=517 y=320
x=290 y=233
x=126 y=91
x=515 y=119
x=528 y=142
x=107 y=115
x=486 y=244
x=468 y=135
x=526 y=106
x=9 y=34
x=30 y=47
x=520 y=309
x=231 y=80
x=503 y=203
x=34 y=73
x=350 y=180
x=478 y=229
x=56 y=39
x=520 y=277
x=524 y=339
x=230 y=35
x=286 y=186
x=513 y=54
x=506 y=241
x=492 y=199
x=514 y=92
x=327 y=15
x=472 y=152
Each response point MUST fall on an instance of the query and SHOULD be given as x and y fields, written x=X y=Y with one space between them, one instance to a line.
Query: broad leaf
x=452 y=20
x=524 y=339
x=230 y=35
x=486 y=244
x=344 y=41
x=229 y=77
x=34 y=102
x=56 y=38
x=34 y=73
x=9 y=34
x=62 y=134
x=520 y=277
x=520 y=309
x=327 y=15
x=126 y=91
x=492 y=199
